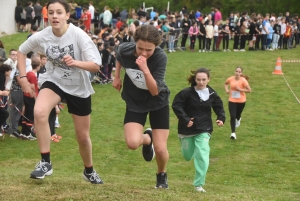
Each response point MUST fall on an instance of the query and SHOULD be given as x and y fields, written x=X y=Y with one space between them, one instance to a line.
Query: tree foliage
x=257 y=6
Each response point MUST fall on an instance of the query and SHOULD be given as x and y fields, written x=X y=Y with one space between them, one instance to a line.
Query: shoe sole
x=160 y=187
x=42 y=177
x=233 y=138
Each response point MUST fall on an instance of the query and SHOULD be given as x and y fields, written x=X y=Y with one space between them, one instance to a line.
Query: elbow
x=95 y=69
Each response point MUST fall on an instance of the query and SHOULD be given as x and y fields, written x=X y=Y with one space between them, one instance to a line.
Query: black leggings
x=235 y=110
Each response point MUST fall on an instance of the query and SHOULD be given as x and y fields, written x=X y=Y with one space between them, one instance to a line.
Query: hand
x=190 y=122
x=117 y=83
x=219 y=123
x=185 y=24
x=227 y=91
x=67 y=59
x=27 y=87
x=142 y=63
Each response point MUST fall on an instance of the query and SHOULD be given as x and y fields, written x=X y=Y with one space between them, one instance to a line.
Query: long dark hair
x=192 y=77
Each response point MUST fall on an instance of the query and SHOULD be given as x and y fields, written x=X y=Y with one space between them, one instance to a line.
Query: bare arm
x=226 y=88
x=85 y=65
x=117 y=83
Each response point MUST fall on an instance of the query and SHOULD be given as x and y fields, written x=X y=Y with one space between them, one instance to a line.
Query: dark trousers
x=236 y=42
x=201 y=42
x=193 y=40
x=225 y=42
x=183 y=41
x=3 y=115
x=280 y=42
x=51 y=121
x=27 y=122
x=258 y=37
x=208 y=43
x=215 y=42
x=243 y=41
x=235 y=110
x=219 y=42
x=264 y=41
x=285 y=41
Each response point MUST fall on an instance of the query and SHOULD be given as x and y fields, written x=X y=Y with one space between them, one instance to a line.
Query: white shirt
x=13 y=66
x=92 y=11
x=107 y=16
x=76 y=43
x=216 y=29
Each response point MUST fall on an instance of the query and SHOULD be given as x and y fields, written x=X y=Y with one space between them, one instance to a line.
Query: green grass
x=262 y=164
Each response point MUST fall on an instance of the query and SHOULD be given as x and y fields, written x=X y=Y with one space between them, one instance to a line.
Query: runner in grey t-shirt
x=145 y=91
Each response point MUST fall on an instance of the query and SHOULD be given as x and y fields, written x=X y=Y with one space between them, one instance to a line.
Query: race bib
x=236 y=94
x=137 y=77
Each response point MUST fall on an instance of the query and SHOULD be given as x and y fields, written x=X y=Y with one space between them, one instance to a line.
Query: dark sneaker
x=148 y=150
x=93 y=177
x=162 y=180
x=15 y=134
x=42 y=169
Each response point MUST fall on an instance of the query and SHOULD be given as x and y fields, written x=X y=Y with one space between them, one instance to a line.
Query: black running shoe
x=162 y=180
x=42 y=169
x=93 y=177
x=148 y=150
x=15 y=134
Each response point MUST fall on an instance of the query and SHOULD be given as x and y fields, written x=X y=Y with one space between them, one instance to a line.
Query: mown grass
x=262 y=164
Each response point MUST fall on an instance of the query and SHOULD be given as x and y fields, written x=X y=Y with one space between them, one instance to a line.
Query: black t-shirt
x=137 y=99
x=18 y=12
x=115 y=14
x=225 y=27
x=259 y=26
x=202 y=28
x=28 y=12
x=231 y=21
x=141 y=13
x=41 y=71
x=252 y=28
x=277 y=29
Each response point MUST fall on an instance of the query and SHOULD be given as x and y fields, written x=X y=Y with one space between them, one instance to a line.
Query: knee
x=84 y=140
x=40 y=114
x=132 y=144
x=160 y=151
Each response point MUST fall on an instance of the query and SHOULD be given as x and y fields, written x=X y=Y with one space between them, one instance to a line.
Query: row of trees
x=258 y=6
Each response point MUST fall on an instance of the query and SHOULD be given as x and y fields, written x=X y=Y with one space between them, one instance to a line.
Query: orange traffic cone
x=277 y=70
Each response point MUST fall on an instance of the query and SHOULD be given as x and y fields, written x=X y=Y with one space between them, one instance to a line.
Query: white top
x=216 y=29
x=28 y=65
x=92 y=11
x=107 y=16
x=76 y=43
x=13 y=66
x=203 y=94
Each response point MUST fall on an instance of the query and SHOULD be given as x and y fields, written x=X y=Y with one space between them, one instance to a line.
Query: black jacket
x=187 y=104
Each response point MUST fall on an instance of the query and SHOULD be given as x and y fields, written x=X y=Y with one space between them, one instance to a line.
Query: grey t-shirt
x=38 y=10
x=76 y=43
x=137 y=99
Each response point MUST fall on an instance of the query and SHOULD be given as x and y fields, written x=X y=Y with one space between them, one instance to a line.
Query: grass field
x=262 y=164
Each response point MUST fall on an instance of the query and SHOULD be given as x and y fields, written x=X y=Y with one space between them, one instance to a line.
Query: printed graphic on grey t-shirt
x=55 y=54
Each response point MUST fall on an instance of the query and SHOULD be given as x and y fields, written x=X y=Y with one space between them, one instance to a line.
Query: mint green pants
x=197 y=147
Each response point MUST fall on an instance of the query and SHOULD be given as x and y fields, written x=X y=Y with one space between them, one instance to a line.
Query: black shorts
x=159 y=119
x=76 y=105
x=28 y=20
x=18 y=19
